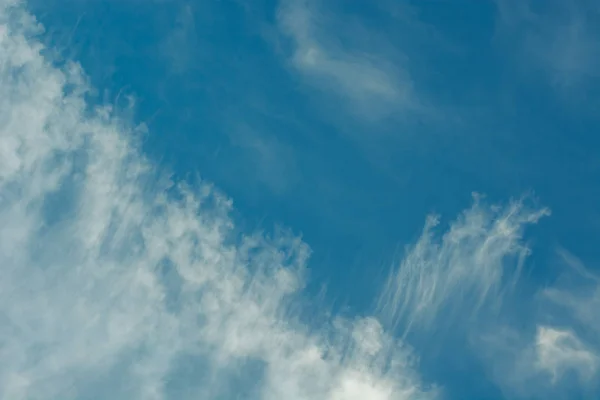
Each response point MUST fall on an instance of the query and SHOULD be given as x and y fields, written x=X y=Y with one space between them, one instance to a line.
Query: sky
x=299 y=199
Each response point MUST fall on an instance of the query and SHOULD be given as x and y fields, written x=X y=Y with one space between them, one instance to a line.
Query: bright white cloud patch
x=560 y=350
x=116 y=286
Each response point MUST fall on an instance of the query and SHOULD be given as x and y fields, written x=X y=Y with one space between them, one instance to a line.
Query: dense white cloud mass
x=116 y=286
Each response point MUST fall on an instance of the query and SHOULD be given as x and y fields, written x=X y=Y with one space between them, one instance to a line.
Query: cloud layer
x=118 y=283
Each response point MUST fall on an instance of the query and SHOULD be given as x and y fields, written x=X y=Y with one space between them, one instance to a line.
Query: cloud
x=559 y=350
x=273 y=161
x=578 y=293
x=448 y=280
x=329 y=54
x=118 y=284
x=573 y=302
x=539 y=361
x=549 y=362
x=553 y=350
x=457 y=298
x=180 y=43
x=560 y=39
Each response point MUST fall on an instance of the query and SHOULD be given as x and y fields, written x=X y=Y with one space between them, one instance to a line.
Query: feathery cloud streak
x=461 y=287
x=560 y=39
x=375 y=84
x=470 y=267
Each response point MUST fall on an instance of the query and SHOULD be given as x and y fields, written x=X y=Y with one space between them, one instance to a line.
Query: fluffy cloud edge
x=115 y=278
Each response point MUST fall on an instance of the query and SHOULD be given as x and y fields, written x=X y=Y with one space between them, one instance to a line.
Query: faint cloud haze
x=561 y=40
x=180 y=43
x=323 y=52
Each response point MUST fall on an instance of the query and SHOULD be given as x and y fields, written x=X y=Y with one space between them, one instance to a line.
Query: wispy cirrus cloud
x=334 y=56
x=180 y=43
x=117 y=284
x=560 y=350
x=578 y=292
x=560 y=39
x=453 y=297
x=274 y=162
x=469 y=267
x=538 y=361
x=574 y=308
x=555 y=352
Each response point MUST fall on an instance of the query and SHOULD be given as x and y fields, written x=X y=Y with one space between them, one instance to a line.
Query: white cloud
x=578 y=292
x=456 y=291
x=322 y=53
x=560 y=350
x=116 y=284
x=538 y=364
x=447 y=280
x=542 y=364
x=574 y=302
x=555 y=351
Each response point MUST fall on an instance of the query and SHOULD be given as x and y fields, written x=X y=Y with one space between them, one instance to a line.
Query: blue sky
x=295 y=199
